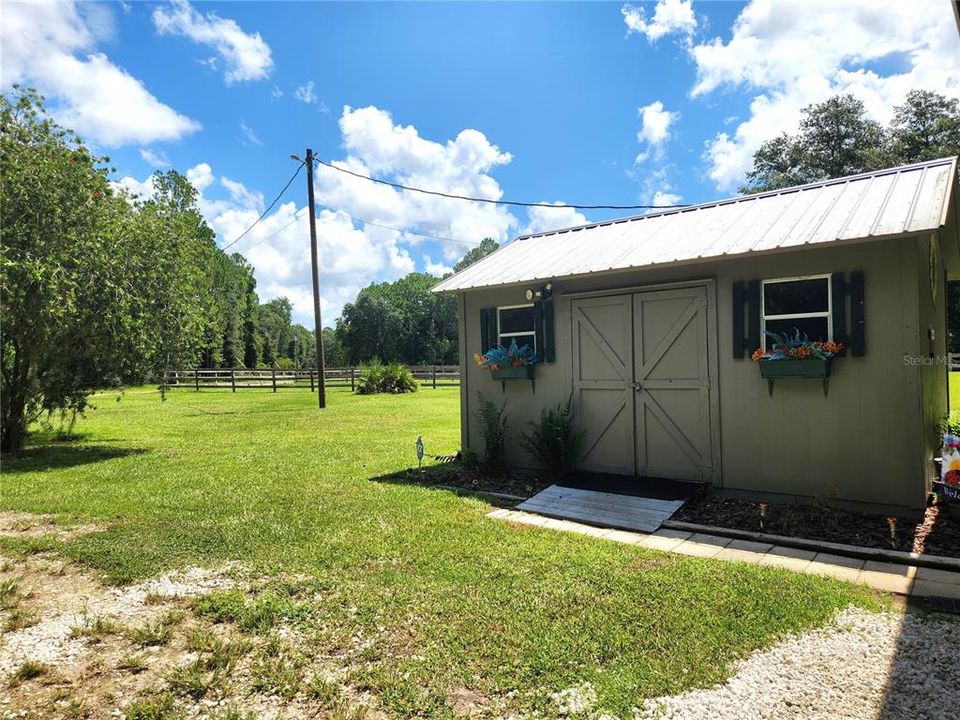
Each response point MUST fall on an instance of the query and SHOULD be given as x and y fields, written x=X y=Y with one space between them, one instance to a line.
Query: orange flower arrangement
x=787 y=347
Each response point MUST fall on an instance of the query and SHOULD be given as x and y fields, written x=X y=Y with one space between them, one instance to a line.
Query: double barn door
x=642 y=386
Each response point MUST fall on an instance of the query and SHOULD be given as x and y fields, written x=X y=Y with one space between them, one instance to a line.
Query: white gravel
x=865 y=665
x=49 y=640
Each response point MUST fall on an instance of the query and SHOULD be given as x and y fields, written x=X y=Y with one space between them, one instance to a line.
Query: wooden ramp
x=625 y=512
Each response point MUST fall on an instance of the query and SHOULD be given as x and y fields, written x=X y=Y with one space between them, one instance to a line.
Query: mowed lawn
x=451 y=600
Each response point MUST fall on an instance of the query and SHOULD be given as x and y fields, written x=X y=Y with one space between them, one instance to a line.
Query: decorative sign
x=420 y=448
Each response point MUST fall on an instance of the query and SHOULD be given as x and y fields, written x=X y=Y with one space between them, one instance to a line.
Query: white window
x=797 y=303
x=516 y=322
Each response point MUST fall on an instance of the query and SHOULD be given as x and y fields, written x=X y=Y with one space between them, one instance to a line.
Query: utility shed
x=650 y=323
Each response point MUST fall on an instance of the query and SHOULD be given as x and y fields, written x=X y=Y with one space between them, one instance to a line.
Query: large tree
x=486 y=246
x=836 y=138
x=94 y=290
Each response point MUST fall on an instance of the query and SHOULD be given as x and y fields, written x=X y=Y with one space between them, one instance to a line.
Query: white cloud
x=305 y=93
x=249 y=134
x=661 y=198
x=324 y=108
x=354 y=254
x=156 y=159
x=655 y=129
x=51 y=46
x=276 y=93
x=245 y=55
x=545 y=219
x=793 y=55
x=377 y=146
x=438 y=269
x=669 y=16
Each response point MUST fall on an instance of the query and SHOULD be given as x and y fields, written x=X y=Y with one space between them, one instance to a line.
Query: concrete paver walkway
x=884 y=576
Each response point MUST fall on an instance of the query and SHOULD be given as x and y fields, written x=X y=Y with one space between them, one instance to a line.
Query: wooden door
x=603 y=395
x=671 y=372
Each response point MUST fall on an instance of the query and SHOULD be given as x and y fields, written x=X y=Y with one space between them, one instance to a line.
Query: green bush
x=554 y=442
x=493 y=426
x=394 y=378
x=286 y=363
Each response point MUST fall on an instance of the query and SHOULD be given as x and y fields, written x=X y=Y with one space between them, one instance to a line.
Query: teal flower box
x=524 y=372
x=796 y=369
x=806 y=368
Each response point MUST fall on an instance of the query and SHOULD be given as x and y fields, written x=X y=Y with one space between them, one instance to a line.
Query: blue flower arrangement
x=501 y=357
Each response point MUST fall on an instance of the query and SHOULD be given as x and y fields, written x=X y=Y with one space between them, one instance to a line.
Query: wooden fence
x=275 y=379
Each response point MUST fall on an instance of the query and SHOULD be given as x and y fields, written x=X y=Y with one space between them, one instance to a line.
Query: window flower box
x=515 y=362
x=806 y=368
x=523 y=372
x=793 y=356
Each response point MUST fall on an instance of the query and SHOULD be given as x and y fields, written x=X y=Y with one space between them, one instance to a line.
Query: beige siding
x=869 y=440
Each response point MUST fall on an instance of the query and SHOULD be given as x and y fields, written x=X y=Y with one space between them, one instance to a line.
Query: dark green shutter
x=858 y=343
x=492 y=328
x=753 y=315
x=838 y=297
x=549 y=351
x=538 y=328
x=738 y=340
x=485 y=342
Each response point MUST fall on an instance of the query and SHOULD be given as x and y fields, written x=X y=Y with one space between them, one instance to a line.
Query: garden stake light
x=763 y=514
x=892 y=522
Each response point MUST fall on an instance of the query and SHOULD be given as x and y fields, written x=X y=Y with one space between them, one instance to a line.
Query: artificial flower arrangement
x=508 y=362
x=794 y=347
x=950 y=460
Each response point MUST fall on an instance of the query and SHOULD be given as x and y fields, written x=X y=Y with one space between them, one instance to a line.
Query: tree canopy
x=837 y=138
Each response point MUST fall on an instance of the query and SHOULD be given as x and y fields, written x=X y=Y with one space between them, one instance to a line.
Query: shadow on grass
x=56 y=456
x=447 y=477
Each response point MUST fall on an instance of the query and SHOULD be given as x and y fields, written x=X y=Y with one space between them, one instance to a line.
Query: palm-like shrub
x=393 y=378
x=554 y=442
x=493 y=426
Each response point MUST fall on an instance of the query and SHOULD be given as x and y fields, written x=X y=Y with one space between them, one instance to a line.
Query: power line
x=407 y=232
x=269 y=207
x=517 y=203
x=271 y=235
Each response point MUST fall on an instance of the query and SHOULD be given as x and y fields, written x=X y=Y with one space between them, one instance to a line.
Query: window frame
x=828 y=313
x=532 y=331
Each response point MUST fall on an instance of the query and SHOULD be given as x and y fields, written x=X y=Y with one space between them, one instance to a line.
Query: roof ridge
x=745 y=198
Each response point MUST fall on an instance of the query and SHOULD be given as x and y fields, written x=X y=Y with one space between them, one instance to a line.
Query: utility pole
x=317 y=323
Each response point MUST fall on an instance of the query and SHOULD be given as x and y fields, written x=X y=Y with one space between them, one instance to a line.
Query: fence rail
x=275 y=379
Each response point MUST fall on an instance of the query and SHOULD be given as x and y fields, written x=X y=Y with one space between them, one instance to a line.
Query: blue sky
x=558 y=102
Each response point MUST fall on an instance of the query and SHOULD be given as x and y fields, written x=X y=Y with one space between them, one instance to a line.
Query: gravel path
x=77 y=597
x=865 y=665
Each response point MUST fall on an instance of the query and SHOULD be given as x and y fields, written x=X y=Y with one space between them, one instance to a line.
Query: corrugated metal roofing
x=908 y=199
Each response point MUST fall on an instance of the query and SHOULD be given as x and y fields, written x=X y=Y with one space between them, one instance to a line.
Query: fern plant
x=554 y=442
x=493 y=427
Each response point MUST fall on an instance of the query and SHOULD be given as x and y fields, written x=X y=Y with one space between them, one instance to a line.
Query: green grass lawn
x=451 y=598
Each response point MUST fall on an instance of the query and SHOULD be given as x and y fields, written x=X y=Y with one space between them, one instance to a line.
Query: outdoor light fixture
x=541 y=294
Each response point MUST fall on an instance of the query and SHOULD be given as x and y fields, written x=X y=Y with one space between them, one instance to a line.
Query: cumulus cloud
x=354 y=253
x=246 y=56
x=669 y=16
x=545 y=219
x=156 y=159
x=378 y=146
x=305 y=93
x=437 y=269
x=52 y=46
x=654 y=130
x=662 y=198
x=789 y=56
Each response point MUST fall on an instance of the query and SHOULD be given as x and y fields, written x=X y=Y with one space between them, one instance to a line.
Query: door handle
x=637 y=387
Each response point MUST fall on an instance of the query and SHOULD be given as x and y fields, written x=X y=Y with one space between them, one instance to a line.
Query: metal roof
x=903 y=200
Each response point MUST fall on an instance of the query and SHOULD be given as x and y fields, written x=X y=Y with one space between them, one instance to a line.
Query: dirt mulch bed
x=934 y=532
x=454 y=475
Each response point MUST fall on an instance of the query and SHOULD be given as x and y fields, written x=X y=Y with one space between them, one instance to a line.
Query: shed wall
x=869 y=440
